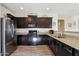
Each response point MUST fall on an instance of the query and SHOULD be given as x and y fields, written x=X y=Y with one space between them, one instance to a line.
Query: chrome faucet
x=60 y=35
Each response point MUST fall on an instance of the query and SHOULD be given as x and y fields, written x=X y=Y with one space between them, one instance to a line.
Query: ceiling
x=43 y=8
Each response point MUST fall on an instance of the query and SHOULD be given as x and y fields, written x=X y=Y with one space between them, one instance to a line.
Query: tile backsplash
x=25 y=31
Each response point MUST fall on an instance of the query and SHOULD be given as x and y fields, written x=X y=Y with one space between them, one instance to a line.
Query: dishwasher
x=63 y=49
x=32 y=37
x=67 y=50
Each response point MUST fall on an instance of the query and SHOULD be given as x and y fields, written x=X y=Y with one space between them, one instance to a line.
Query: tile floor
x=39 y=50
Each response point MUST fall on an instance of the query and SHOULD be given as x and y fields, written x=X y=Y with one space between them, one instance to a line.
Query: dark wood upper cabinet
x=32 y=19
x=44 y=22
x=34 y=22
x=21 y=22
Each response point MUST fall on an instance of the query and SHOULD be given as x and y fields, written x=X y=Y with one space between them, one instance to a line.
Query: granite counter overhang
x=72 y=42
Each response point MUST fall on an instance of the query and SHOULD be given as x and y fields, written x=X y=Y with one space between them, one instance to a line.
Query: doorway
x=61 y=25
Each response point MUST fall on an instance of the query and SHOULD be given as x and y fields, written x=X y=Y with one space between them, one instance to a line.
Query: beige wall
x=70 y=19
x=73 y=21
x=74 y=30
x=55 y=22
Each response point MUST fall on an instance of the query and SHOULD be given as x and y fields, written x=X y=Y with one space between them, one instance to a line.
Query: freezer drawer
x=10 y=48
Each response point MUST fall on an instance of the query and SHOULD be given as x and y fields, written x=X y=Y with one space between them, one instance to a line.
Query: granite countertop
x=73 y=42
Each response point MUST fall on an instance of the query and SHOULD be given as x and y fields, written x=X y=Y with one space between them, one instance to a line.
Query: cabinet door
x=43 y=22
x=45 y=40
x=22 y=40
x=32 y=21
x=19 y=39
x=50 y=42
x=63 y=50
x=21 y=22
x=42 y=41
x=54 y=46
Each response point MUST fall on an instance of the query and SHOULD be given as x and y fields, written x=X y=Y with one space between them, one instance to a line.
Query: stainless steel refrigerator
x=0 y=37
x=8 y=40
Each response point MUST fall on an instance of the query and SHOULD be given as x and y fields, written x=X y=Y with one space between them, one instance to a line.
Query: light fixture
x=47 y=8
x=21 y=8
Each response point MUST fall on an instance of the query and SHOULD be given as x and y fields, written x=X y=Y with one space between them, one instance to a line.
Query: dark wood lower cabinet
x=44 y=39
x=59 y=48
x=29 y=40
x=52 y=44
x=22 y=40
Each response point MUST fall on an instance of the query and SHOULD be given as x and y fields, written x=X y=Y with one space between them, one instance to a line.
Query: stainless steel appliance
x=8 y=36
x=0 y=38
x=33 y=37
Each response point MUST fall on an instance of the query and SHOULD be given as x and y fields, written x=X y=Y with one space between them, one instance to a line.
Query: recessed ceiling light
x=47 y=8
x=21 y=8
